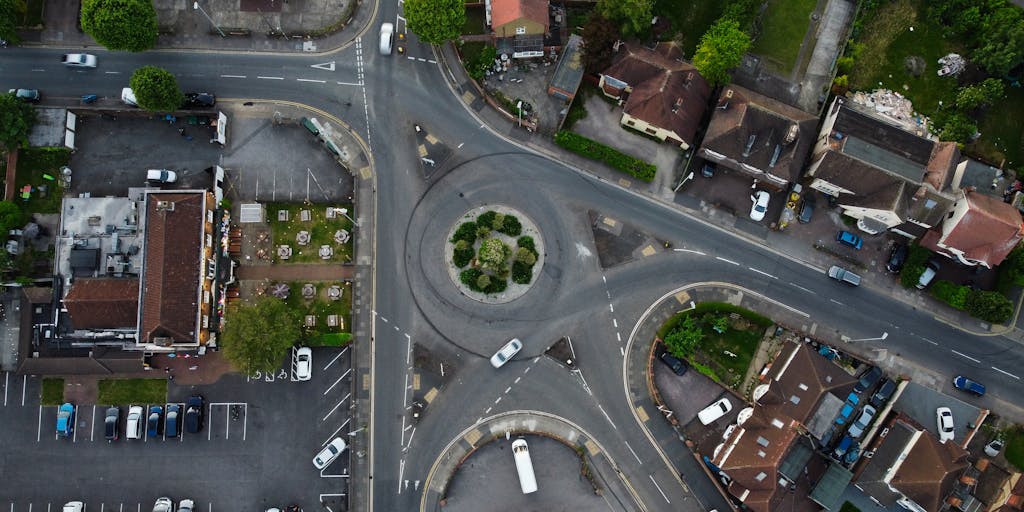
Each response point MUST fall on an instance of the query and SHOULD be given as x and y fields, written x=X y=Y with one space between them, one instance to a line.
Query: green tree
x=127 y=25
x=599 y=37
x=991 y=307
x=959 y=128
x=156 y=89
x=11 y=216
x=633 y=15
x=526 y=256
x=478 y=68
x=980 y=95
x=493 y=254
x=257 y=337
x=10 y=11
x=721 y=48
x=1001 y=41
x=16 y=120
x=684 y=338
x=435 y=21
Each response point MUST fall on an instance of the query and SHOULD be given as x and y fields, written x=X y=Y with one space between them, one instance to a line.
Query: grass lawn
x=476 y=21
x=784 y=26
x=740 y=338
x=321 y=307
x=689 y=19
x=320 y=228
x=471 y=50
x=1015 y=447
x=53 y=391
x=1001 y=135
x=132 y=391
x=33 y=163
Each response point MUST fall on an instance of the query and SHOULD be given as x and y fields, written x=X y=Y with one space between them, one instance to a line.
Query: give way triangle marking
x=329 y=66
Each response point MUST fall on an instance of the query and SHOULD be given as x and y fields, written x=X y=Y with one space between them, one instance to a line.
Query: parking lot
x=254 y=451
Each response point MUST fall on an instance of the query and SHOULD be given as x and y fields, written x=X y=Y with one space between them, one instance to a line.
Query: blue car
x=851 y=403
x=155 y=422
x=964 y=384
x=66 y=419
x=173 y=413
x=847 y=238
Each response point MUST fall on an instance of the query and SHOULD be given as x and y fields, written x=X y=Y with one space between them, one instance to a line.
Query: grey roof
x=878 y=156
x=871 y=479
x=569 y=72
x=821 y=422
x=981 y=176
x=830 y=487
x=792 y=466
x=879 y=132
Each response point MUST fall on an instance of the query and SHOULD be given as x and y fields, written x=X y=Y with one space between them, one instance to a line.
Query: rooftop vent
x=167 y=206
x=749 y=146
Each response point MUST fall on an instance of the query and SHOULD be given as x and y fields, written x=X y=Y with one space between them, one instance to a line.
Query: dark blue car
x=964 y=384
x=173 y=419
x=847 y=238
x=155 y=422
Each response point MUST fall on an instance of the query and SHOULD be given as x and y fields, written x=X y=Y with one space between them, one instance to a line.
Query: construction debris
x=896 y=107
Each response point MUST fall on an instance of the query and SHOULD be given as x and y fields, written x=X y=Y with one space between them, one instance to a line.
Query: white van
x=714 y=411
x=387 y=36
x=521 y=452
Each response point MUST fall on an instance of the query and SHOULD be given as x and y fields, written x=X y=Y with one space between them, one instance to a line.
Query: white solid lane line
x=762 y=272
x=1004 y=372
x=271 y=77
x=719 y=258
x=961 y=354
x=690 y=251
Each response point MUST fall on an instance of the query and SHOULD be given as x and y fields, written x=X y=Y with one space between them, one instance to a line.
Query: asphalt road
x=381 y=98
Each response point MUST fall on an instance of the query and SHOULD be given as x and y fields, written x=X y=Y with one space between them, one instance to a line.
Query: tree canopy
x=16 y=120
x=599 y=37
x=10 y=10
x=684 y=338
x=721 y=48
x=11 y=216
x=633 y=15
x=156 y=89
x=435 y=21
x=128 y=25
x=257 y=337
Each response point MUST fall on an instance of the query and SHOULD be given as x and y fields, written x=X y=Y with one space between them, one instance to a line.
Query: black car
x=111 y=428
x=897 y=258
x=806 y=210
x=200 y=100
x=884 y=393
x=674 y=363
x=194 y=414
x=868 y=379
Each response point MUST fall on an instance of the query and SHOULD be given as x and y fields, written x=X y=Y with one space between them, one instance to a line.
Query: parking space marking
x=335 y=359
x=39 y=428
x=92 y=427
x=337 y=381
x=343 y=400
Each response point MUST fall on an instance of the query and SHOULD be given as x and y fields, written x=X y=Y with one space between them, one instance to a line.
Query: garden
x=311 y=233
x=989 y=306
x=325 y=311
x=485 y=245
x=783 y=27
x=717 y=339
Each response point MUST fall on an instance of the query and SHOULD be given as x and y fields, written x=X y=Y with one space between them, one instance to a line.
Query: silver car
x=163 y=504
x=865 y=419
x=506 y=352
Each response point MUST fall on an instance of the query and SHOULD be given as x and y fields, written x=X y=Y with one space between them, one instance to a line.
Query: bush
x=577 y=111
x=1011 y=271
x=486 y=218
x=952 y=294
x=461 y=256
x=482 y=231
x=510 y=226
x=992 y=307
x=522 y=273
x=483 y=281
x=844 y=65
x=466 y=231
x=469 y=277
x=914 y=266
x=478 y=68
x=527 y=242
x=526 y=256
x=581 y=145
x=493 y=254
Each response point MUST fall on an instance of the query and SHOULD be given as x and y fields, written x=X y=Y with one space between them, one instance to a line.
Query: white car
x=133 y=427
x=161 y=176
x=865 y=419
x=510 y=349
x=163 y=504
x=128 y=97
x=387 y=35
x=79 y=60
x=760 y=206
x=186 y=505
x=329 y=453
x=74 y=506
x=944 y=419
x=303 y=363
x=714 y=411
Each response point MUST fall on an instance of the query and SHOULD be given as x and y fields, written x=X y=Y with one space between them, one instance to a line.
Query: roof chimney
x=677 y=105
x=165 y=206
x=791 y=134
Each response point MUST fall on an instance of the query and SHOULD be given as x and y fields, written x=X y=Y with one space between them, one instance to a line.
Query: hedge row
x=581 y=145
x=992 y=307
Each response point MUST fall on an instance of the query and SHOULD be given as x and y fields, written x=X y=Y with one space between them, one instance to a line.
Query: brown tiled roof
x=101 y=303
x=939 y=171
x=172 y=262
x=799 y=378
x=507 y=11
x=742 y=114
x=930 y=471
x=988 y=231
x=753 y=463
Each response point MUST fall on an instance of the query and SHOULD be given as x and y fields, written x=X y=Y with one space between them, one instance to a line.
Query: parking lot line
x=337 y=381
x=336 y=407
x=24 y=384
x=333 y=360
x=333 y=435
x=7 y=380
x=92 y=426
x=39 y=429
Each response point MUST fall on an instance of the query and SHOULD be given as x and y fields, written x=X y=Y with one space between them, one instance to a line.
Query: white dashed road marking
x=961 y=354
x=1005 y=373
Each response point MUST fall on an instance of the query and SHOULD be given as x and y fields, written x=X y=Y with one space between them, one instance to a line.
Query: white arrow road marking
x=326 y=66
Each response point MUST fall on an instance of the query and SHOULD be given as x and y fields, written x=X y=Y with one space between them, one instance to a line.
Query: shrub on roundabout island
x=490 y=259
x=466 y=231
x=463 y=253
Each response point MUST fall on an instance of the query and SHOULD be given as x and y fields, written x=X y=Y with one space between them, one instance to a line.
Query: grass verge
x=689 y=19
x=785 y=24
x=132 y=391
x=53 y=391
x=1015 y=447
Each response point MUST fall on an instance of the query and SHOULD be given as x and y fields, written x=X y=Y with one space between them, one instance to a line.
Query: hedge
x=466 y=231
x=527 y=242
x=462 y=257
x=581 y=145
x=952 y=294
x=470 y=276
x=511 y=226
x=521 y=272
x=991 y=307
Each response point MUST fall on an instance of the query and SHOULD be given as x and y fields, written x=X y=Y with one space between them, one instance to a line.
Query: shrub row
x=581 y=145
x=989 y=306
x=477 y=281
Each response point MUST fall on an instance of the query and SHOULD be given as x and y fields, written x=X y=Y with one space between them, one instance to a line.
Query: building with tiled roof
x=101 y=303
x=758 y=136
x=979 y=230
x=519 y=27
x=661 y=94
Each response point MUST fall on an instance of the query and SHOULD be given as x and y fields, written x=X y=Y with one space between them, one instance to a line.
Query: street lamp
x=880 y=338
x=344 y=211
x=195 y=6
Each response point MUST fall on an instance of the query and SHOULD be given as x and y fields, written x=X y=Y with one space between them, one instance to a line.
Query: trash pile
x=952 y=65
x=895 y=106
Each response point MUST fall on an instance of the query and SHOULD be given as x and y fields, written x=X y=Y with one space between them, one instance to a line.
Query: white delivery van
x=527 y=481
x=387 y=34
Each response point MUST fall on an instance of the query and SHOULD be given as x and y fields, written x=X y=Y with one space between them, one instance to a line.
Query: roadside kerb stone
x=605 y=470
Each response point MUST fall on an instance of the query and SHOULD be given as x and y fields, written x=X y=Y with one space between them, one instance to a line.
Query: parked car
x=707 y=170
x=714 y=411
x=128 y=97
x=133 y=426
x=29 y=95
x=846 y=238
x=930 y=269
x=506 y=352
x=194 y=414
x=387 y=36
x=844 y=276
x=851 y=403
x=842 y=447
x=944 y=420
x=155 y=422
x=78 y=60
x=303 y=363
x=171 y=429
x=897 y=258
x=806 y=210
x=161 y=176
x=760 y=206
x=186 y=505
x=868 y=380
x=66 y=419
x=163 y=505
x=865 y=419
x=673 y=362
x=74 y=506
x=884 y=393
x=111 y=424
x=200 y=100
x=329 y=453
x=965 y=384
x=993 y=447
